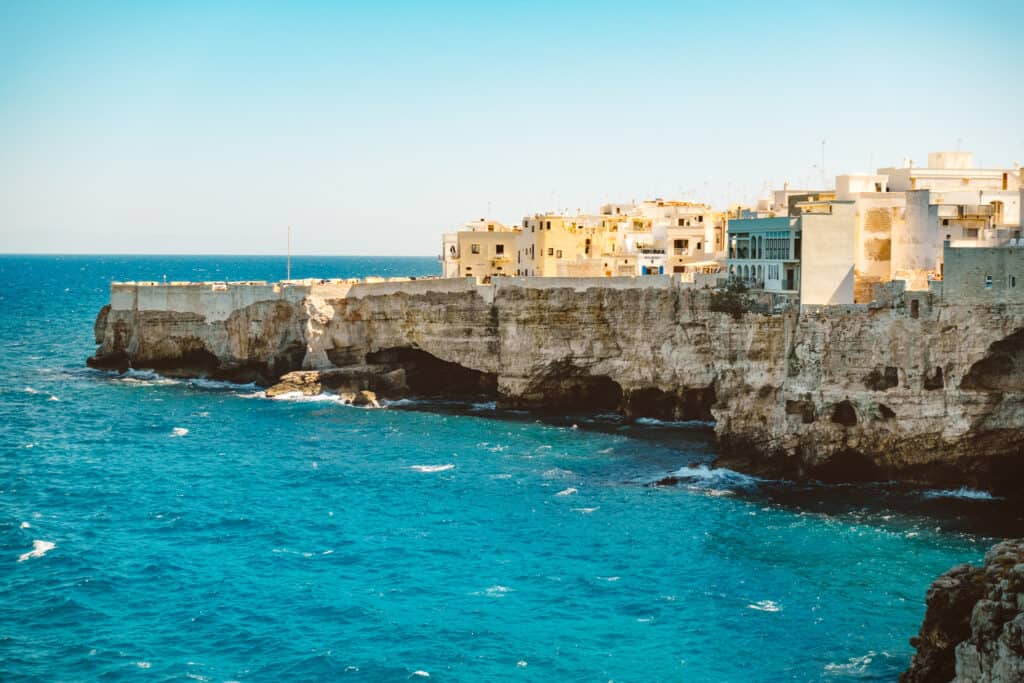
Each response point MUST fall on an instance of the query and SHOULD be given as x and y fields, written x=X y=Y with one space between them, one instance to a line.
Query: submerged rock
x=973 y=629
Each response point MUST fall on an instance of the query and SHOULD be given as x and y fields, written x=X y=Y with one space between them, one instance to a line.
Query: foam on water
x=431 y=468
x=651 y=421
x=962 y=492
x=179 y=431
x=715 y=479
x=39 y=548
x=567 y=492
x=765 y=606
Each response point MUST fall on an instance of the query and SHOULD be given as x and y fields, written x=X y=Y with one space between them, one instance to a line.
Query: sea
x=158 y=529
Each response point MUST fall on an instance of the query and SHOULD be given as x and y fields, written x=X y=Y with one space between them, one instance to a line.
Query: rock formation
x=973 y=630
x=932 y=394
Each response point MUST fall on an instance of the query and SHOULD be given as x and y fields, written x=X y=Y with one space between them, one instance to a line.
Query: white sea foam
x=30 y=390
x=421 y=673
x=39 y=548
x=400 y=402
x=431 y=468
x=765 y=606
x=496 y=591
x=486 y=405
x=962 y=492
x=586 y=511
x=53 y=397
x=143 y=665
x=854 y=666
x=521 y=664
x=179 y=431
x=567 y=492
x=556 y=473
x=715 y=479
x=215 y=384
x=26 y=525
x=651 y=421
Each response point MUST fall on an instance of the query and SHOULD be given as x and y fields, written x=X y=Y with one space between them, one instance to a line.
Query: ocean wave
x=655 y=422
x=431 y=468
x=299 y=397
x=39 y=548
x=557 y=473
x=485 y=405
x=586 y=511
x=496 y=591
x=567 y=492
x=401 y=402
x=713 y=479
x=30 y=390
x=144 y=378
x=962 y=492
x=179 y=431
x=221 y=385
x=854 y=666
x=765 y=606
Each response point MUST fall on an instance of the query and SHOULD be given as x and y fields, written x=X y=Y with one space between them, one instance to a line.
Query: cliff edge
x=930 y=393
x=973 y=630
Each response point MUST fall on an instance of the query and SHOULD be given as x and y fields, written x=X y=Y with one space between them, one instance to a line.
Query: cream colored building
x=485 y=249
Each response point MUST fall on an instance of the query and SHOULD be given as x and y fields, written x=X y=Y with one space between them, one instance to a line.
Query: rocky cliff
x=973 y=630
x=930 y=393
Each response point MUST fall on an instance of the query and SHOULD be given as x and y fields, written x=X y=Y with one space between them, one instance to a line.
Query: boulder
x=306 y=382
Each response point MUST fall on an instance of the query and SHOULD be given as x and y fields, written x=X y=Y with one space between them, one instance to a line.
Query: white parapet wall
x=216 y=301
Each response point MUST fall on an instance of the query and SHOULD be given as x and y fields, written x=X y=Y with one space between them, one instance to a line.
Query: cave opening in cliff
x=566 y=388
x=685 y=404
x=1002 y=368
x=427 y=375
x=847 y=466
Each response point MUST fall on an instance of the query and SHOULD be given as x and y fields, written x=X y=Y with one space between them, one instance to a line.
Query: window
x=549 y=225
x=551 y=251
x=499 y=249
x=678 y=269
x=698 y=246
x=680 y=222
x=474 y=248
x=700 y=219
x=988 y=282
x=558 y=254
x=1013 y=280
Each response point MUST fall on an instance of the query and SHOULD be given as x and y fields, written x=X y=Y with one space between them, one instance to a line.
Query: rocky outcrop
x=836 y=393
x=973 y=630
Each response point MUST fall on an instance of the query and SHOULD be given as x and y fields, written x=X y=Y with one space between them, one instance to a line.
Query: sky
x=371 y=128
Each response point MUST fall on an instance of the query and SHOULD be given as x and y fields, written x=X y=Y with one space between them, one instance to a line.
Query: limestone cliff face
x=973 y=631
x=839 y=393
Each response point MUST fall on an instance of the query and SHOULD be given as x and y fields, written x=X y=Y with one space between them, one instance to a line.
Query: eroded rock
x=973 y=629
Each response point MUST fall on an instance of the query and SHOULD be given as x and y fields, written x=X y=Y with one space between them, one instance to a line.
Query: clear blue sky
x=178 y=127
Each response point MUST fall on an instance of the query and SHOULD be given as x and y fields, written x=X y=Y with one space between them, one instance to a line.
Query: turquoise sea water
x=193 y=530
